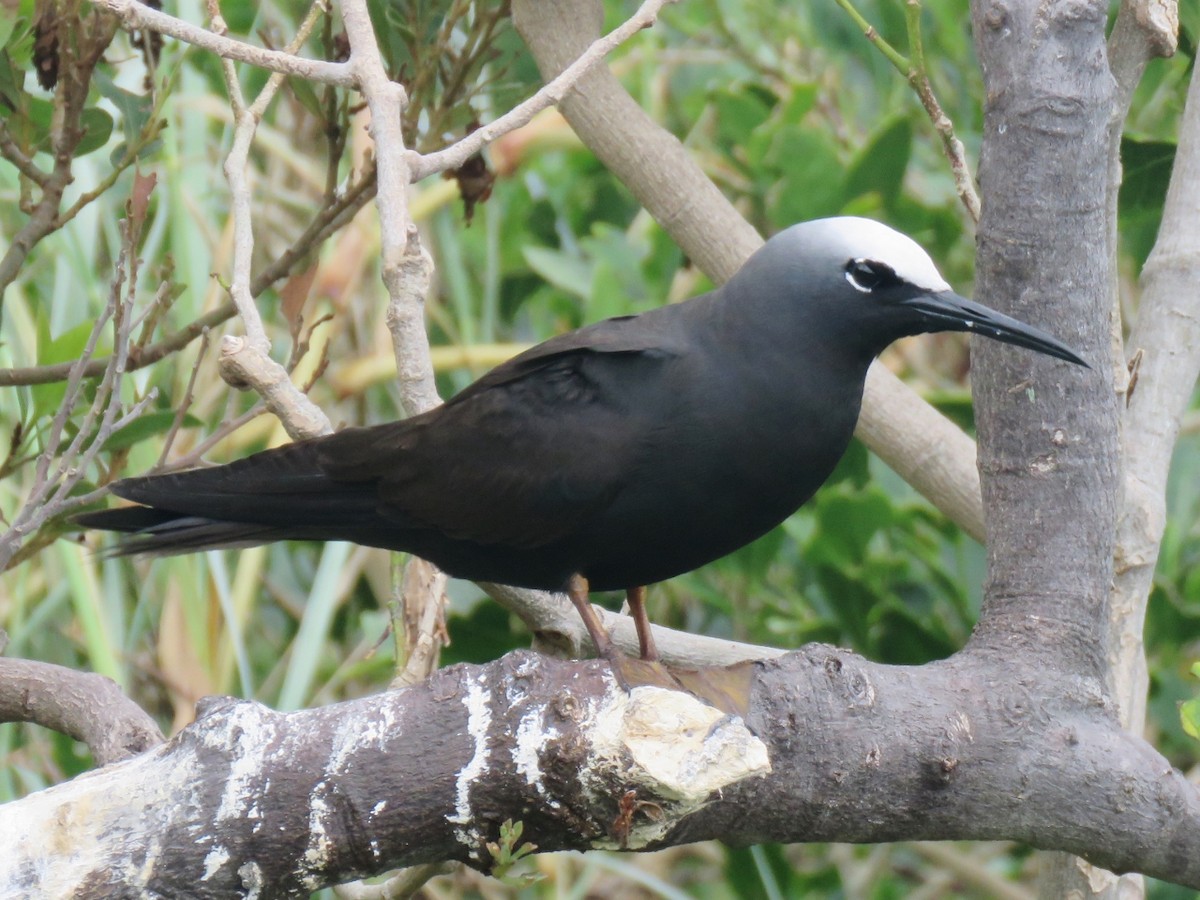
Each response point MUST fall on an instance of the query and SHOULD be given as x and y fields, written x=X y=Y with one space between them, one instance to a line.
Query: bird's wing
x=524 y=459
x=621 y=334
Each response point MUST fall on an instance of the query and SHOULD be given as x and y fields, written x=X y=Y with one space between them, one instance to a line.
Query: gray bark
x=249 y=802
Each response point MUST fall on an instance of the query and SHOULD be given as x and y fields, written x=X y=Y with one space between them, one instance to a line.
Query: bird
x=610 y=457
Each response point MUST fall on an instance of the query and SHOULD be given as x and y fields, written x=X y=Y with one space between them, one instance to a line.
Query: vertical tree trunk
x=1048 y=432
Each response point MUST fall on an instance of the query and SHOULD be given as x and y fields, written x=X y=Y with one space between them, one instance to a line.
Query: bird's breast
x=725 y=471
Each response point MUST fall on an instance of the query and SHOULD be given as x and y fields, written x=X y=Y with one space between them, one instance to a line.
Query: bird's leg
x=727 y=688
x=577 y=590
x=637 y=608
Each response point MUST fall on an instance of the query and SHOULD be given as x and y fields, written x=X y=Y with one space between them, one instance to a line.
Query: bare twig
x=918 y=78
x=558 y=629
x=549 y=95
x=77 y=63
x=329 y=220
x=399 y=886
x=138 y=16
x=189 y=394
x=246 y=362
x=222 y=431
x=422 y=601
x=916 y=74
x=26 y=166
x=58 y=471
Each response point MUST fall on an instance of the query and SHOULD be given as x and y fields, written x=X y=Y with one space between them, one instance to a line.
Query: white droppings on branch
x=479 y=720
x=251 y=727
x=533 y=736
x=322 y=822
x=213 y=862
x=351 y=738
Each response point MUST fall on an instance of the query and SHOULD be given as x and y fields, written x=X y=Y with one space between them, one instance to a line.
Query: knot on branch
x=670 y=746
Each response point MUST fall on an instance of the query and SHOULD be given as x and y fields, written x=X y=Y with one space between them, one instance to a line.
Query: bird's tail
x=270 y=496
x=164 y=533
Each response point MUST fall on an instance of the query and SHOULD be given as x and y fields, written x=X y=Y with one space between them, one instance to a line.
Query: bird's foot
x=726 y=688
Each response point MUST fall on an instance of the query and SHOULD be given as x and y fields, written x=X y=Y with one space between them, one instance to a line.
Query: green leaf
x=66 y=347
x=1189 y=716
x=809 y=183
x=304 y=92
x=135 y=109
x=1147 y=172
x=880 y=166
x=97 y=129
x=803 y=99
x=146 y=426
x=739 y=111
x=9 y=19
x=484 y=633
x=563 y=270
x=849 y=521
x=12 y=90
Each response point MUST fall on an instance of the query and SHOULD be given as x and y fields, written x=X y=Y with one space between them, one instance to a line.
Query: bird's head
x=876 y=285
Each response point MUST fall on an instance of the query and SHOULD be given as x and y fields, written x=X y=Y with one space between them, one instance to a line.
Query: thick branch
x=250 y=800
x=88 y=707
x=1167 y=335
x=1048 y=431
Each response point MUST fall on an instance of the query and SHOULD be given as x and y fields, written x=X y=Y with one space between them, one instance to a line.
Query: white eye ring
x=873 y=274
x=854 y=283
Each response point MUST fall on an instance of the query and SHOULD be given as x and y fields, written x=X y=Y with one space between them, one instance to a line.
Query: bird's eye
x=865 y=275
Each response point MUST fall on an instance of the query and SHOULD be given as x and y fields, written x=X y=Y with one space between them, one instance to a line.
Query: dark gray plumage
x=625 y=452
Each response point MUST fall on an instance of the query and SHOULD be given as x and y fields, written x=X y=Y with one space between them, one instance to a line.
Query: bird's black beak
x=947 y=311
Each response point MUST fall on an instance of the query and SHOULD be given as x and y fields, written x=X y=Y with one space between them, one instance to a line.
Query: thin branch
x=58 y=473
x=246 y=362
x=401 y=885
x=138 y=16
x=196 y=454
x=329 y=220
x=559 y=631
x=549 y=95
x=918 y=78
x=152 y=353
x=894 y=56
x=916 y=74
x=422 y=603
x=189 y=396
x=26 y=166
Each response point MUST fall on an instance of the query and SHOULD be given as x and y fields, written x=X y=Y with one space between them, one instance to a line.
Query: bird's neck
x=769 y=328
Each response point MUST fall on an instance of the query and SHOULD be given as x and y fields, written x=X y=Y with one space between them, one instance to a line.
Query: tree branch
x=1167 y=333
x=247 y=799
x=548 y=95
x=137 y=16
x=87 y=707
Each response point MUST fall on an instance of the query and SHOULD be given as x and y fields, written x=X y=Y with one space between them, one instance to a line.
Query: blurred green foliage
x=791 y=112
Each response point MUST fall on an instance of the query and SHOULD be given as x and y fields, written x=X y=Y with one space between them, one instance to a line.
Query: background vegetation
x=793 y=114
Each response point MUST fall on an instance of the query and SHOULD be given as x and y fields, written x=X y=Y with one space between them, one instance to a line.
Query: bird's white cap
x=866 y=239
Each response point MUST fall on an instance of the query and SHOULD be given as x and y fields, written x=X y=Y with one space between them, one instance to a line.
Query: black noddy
x=610 y=457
